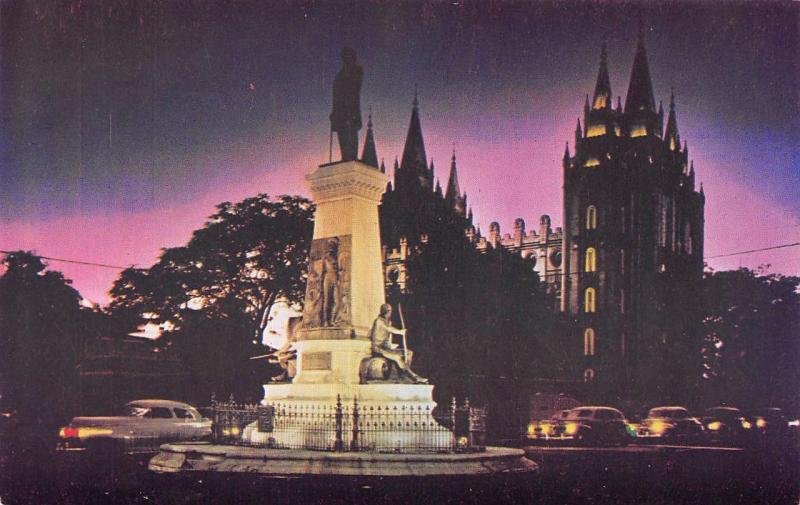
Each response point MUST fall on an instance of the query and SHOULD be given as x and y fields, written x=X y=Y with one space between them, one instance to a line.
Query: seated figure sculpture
x=382 y=345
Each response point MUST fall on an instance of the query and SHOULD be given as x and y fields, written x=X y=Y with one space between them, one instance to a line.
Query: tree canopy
x=214 y=295
x=751 y=343
x=42 y=330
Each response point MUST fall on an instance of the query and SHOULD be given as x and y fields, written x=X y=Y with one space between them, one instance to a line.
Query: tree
x=42 y=330
x=751 y=343
x=215 y=294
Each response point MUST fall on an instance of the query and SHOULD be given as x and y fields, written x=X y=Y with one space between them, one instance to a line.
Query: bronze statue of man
x=380 y=335
x=346 y=114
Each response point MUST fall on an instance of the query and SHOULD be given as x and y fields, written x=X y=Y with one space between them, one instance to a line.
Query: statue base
x=356 y=417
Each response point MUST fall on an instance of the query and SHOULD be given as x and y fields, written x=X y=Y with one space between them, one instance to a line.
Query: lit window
x=638 y=130
x=596 y=130
x=591 y=162
x=589 y=300
x=591 y=217
x=591 y=260
x=588 y=375
x=588 y=342
x=617 y=131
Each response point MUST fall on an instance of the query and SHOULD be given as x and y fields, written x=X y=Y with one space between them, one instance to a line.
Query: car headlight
x=714 y=426
x=658 y=427
x=746 y=424
x=761 y=422
x=571 y=429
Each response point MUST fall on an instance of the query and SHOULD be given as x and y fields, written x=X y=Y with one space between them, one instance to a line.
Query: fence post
x=354 y=442
x=339 y=444
x=454 y=438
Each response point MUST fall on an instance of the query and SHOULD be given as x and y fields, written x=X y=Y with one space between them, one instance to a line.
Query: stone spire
x=453 y=196
x=369 y=155
x=602 y=91
x=640 y=88
x=671 y=135
x=414 y=164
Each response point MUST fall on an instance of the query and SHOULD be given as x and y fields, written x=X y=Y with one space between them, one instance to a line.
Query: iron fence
x=350 y=426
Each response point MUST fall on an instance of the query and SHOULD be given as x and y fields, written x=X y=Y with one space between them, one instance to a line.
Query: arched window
x=588 y=375
x=591 y=217
x=589 y=300
x=591 y=260
x=588 y=342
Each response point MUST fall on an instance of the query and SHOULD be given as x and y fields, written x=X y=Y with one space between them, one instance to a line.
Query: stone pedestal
x=345 y=276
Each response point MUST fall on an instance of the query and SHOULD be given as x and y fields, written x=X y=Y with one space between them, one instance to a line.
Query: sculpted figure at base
x=382 y=345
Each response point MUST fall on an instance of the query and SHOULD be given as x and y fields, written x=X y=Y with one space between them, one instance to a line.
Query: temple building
x=626 y=267
x=633 y=240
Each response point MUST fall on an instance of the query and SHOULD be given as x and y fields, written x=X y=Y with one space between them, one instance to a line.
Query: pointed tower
x=671 y=136
x=453 y=196
x=414 y=173
x=601 y=118
x=602 y=91
x=640 y=88
x=631 y=243
x=369 y=155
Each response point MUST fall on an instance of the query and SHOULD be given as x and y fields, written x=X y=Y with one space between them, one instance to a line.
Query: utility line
x=752 y=251
x=77 y=262
x=117 y=267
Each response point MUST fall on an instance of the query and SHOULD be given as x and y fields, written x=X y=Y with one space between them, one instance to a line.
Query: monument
x=353 y=402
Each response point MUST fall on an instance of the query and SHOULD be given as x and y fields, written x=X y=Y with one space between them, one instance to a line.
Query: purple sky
x=123 y=127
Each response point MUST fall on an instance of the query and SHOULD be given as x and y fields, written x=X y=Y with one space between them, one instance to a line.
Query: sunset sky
x=124 y=124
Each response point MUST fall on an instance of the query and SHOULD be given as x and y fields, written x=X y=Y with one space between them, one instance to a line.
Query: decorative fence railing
x=350 y=426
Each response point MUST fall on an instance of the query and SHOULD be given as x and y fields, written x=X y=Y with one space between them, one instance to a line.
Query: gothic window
x=589 y=300
x=687 y=240
x=591 y=217
x=588 y=375
x=591 y=260
x=555 y=258
x=588 y=342
x=662 y=238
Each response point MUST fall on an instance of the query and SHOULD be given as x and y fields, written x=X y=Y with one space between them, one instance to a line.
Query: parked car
x=597 y=426
x=549 y=429
x=670 y=423
x=143 y=427
x=771 y=425
x=727 y=425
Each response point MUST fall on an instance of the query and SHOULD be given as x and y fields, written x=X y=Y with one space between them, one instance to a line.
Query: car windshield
x=669 y=413
x=607 y=414
x=724 y=413
x=134 y=410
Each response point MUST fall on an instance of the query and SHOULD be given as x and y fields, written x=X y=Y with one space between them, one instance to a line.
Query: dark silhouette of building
x=633 y=244
x=627 y=267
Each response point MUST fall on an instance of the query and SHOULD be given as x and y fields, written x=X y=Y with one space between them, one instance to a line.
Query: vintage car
x=727 y=426
x=771 y=425
x=597 y=426
x=670 y=423
x=143 y=427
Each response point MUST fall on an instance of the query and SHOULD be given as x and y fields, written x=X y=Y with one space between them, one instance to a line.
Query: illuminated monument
x=354 y=407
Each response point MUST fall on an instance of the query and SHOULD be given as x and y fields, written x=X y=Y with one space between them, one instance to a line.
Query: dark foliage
x=751 y=343
x=43 y=329
x=214 y=295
